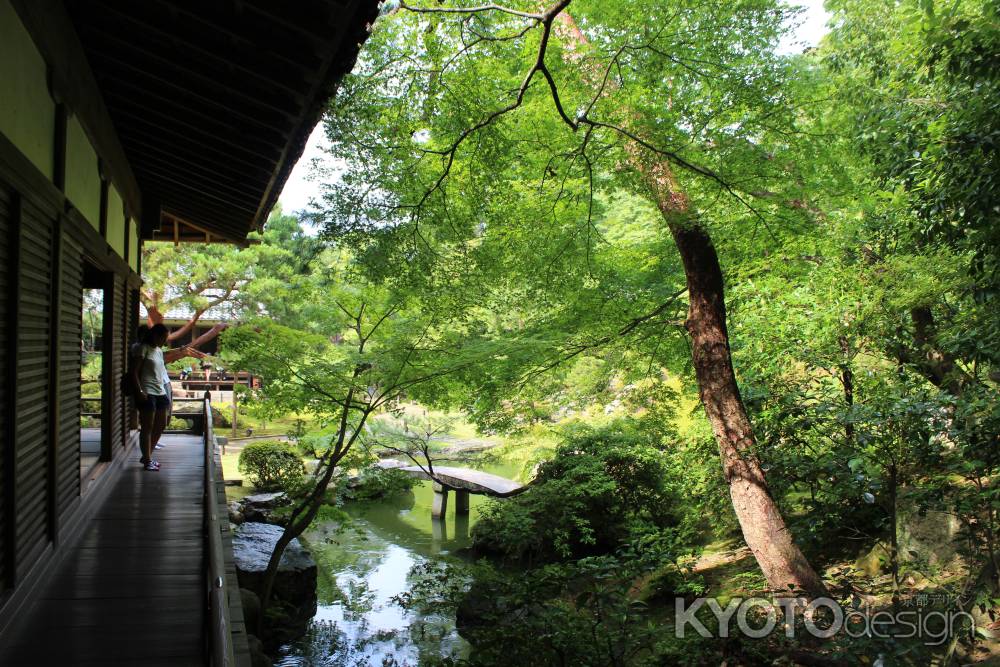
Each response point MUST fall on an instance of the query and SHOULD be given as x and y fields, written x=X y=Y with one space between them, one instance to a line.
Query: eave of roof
x=213 y=102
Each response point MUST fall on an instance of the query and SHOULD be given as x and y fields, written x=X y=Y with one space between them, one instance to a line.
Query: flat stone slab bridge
x=463 y=481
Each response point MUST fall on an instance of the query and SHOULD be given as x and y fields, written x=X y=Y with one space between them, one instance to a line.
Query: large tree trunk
x=764 y=529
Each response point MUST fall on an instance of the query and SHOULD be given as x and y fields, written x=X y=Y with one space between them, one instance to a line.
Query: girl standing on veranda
x=153 y=402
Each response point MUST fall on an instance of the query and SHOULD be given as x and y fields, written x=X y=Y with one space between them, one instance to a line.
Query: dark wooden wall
x=8 y=205
x=118 y=360
x=70 y=333
x=44 y=244
x=31 y=432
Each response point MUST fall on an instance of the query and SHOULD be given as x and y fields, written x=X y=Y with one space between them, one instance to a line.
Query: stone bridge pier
x=440 y=506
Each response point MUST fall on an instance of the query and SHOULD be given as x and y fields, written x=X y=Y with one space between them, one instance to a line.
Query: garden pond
x=366 y=564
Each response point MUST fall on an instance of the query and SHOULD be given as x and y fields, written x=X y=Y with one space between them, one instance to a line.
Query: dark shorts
x=153 y=403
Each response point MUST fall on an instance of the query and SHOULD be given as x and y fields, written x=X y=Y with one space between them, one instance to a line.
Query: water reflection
x=365 y=565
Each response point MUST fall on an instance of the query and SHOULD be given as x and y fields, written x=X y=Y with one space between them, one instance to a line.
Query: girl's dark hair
x=154 y=332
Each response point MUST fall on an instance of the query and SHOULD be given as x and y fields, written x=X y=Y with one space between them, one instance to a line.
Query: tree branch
x=473 y=10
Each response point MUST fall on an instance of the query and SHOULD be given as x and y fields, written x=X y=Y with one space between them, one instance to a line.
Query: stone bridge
x=463 y=481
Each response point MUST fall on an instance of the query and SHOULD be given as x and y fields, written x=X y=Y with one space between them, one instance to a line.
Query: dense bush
x=270 y=465
x=549 y=615
x=91 y=371
x=178 y=424
x=602 y=488
x=315 y=443
x=374 y=482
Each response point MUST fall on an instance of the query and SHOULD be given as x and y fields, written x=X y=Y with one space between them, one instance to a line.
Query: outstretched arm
x=180 y=353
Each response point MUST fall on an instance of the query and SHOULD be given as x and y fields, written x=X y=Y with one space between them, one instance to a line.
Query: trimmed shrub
x=374 y=482
x=271 y=465
x=178 y=424
x=603 y=489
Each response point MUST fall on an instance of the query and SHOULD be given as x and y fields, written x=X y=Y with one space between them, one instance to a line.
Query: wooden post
x=440 y=507
x=59 y=147
x=103 y=210
x=235 y=409
x=461 y=502
x=208 y=414
x=107 y=359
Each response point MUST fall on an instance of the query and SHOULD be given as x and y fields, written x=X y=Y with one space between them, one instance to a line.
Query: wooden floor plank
x=132 y=592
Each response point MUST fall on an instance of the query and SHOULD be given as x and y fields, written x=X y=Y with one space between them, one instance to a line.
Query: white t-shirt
x=151 y=374
x=166 y=376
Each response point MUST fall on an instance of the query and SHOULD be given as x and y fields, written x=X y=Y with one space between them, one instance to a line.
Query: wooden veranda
x=139 y=586
x=124 y=122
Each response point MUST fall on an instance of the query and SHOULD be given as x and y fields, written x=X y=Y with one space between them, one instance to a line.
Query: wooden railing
x=220 y=644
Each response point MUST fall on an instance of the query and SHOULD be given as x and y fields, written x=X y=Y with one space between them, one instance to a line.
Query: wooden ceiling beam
x=210 y=189
x=191 y=123
x=297 y=48
x=193 y=73
x=198 y=231
x=227 y=144
x=215 y=216
x=214 y=101
x=212 y=155
x=185 y=91
x=316 y=28
x=181 y=231
x=202 y=173
x=257 y=64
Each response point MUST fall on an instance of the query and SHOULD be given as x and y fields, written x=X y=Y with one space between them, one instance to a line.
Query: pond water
x=363 y=566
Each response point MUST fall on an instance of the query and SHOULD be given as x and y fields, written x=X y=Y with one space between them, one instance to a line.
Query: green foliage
x=271 y=465
x=925 y=81
x=178 y=424
x=242 y=281
x=93 y=318
x=601 y=488
x=553 y=258
x=222 y=415
x=549 y=615
x=91 y=372
x=373 y=483
x=314 y=444
x=298 y=431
